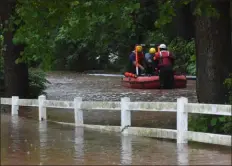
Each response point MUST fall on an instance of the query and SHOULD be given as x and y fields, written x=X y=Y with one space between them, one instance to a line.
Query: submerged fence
x=181 y=107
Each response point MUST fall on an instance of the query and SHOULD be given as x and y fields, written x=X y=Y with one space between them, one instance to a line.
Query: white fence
x=182 y=107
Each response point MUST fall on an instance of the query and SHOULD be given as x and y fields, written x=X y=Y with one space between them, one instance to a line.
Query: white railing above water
x=181 y=107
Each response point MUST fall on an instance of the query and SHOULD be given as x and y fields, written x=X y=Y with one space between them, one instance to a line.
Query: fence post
x=78 y=113
x=182 y=121
x=125 y=115
x=42 y=109
x=15 y=105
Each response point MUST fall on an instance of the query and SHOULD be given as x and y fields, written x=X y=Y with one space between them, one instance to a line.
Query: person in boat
x=151 y=64
x=141 y=61
x=165 y=65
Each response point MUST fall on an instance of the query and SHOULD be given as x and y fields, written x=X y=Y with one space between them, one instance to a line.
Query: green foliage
x=205 y=8
x=166 y=13
x=38 y=22
x=37 y=83
x=37 y=80
x=215 y=124
x=228 y=84
x=82 y=24
x=211 y=124
x=71 y=34
x=184 y=54
x=167 y=10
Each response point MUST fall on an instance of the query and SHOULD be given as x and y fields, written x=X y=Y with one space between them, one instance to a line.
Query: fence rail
x=181 y=107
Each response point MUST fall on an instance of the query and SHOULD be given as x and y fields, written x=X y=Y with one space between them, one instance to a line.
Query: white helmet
x=163 y=46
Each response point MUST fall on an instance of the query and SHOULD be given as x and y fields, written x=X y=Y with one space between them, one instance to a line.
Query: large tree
x=15 y=74
x=213 y=44
x=214 y=60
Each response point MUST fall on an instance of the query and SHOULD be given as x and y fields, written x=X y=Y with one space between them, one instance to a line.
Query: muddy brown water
x=67 y=86
x=26 y=141
x=29 y=142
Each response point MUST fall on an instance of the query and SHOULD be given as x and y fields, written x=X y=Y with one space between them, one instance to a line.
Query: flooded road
x=25 y=142
x=67 y=86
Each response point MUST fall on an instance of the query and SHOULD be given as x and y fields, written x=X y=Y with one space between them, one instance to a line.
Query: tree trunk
x=231 y=36
x=213 y=42
x=15 y=75
x=184 y=22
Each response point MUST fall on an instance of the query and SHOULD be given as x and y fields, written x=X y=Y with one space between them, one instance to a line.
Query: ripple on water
x=69 y=85
x=26 y=141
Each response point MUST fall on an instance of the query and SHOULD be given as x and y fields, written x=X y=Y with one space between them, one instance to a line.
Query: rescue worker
x=165 y=66
x=150 y=63
x=141 y=60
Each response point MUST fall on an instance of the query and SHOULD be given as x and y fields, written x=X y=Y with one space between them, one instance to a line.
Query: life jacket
x=164 y=58
x=140 y=56
x=128 y=74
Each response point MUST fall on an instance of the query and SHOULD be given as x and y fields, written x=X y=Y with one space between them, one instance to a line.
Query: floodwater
x=27 y=142
x=67 y=86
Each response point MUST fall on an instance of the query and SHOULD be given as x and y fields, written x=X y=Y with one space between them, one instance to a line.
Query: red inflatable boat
x=150 y=82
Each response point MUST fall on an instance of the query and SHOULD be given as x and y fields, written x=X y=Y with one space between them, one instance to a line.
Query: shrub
x=214 y=124
x=210 y=124
x=37 y=83
x=228 y=84
x=185 y=56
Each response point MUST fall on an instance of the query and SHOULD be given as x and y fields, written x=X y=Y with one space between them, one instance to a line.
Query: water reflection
x=66 y=86
x=43 y=136
x=28 y=142
x=15 y=133
x=182 y=154
x=126 y=150
x=79 y=144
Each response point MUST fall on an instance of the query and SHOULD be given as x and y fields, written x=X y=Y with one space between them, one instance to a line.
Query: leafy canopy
x=44 y=23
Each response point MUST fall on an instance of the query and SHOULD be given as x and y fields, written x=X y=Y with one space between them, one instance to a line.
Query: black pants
x=150 y=67
x=166 y=76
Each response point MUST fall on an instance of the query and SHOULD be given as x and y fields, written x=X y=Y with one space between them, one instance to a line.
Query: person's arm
x=139 y=65
x=133 y=60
